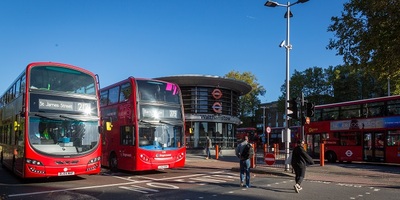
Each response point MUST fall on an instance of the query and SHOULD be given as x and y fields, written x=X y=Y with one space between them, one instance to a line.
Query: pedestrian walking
x=244 y=151
x=208 y=146
x=300 y=160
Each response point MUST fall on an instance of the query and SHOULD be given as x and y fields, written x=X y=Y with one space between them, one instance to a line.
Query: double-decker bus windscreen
x=61 y=124
x=63 y=136
x=62 y=80
x=160 y=115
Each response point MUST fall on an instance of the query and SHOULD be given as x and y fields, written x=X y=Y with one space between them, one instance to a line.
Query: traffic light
x=292 y=109
x=310 y=109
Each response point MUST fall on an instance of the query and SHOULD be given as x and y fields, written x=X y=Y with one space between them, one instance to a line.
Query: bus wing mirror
x=100 y=129
x=109 y=126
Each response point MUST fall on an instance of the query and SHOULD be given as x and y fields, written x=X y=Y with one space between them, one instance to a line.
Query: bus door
x=374 y=146
x=313 y=145
x=127 y=152
x=19 y=127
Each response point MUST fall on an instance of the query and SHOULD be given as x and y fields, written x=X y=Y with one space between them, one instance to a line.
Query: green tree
x=313 y=83
x=350 y=84
x=368 y=37
x=249 y=103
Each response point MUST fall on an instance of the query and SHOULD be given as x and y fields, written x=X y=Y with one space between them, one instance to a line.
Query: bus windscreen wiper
x=42 y=116
x=70 y=118
x=146 y=122
x=164 y=122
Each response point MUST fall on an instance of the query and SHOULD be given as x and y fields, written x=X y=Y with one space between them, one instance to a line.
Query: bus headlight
x=34 y=162
x=180 y=156
x=94 y=160
x=144 y=158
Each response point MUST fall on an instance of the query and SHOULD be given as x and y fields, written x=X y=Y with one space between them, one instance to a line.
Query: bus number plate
x=66 y=173
x=163 y=167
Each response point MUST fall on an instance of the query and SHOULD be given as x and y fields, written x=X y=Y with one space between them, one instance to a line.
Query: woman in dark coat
x=300 y=160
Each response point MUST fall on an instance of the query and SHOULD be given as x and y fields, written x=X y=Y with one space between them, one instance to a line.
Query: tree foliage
x=249 y=103
x=314 y=83
x=330 y=85
x=368 y=37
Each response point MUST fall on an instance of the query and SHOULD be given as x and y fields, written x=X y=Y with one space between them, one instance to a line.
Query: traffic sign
x=269 y=158
x=268 y=129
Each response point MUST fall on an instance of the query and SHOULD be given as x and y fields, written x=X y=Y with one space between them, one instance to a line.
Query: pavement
x=360 y=173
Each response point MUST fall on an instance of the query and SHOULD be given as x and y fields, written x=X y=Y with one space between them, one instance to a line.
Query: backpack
x=247 y=152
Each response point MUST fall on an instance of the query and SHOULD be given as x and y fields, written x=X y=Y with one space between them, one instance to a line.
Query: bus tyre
x=331 y=156
x=113 y=162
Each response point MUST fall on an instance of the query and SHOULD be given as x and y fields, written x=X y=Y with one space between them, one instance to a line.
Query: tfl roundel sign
x=216 y=93
x=217 y=107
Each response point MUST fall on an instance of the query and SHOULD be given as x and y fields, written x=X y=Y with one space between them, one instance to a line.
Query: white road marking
x=163 y=186
x=138 y=189
x=113 y=185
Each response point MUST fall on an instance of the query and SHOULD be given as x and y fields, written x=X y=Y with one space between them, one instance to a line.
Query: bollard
x=322 y=154
x=265 y=149
x=216 y=151
x=253 y=159
x=179 y=144
x=276 y=150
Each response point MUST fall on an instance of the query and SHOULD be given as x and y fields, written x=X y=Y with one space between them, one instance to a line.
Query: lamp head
x=271 y=4
x=302 y=1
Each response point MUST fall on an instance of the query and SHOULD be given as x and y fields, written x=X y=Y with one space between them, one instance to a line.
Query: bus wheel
x=331 y=157
x=113 y=162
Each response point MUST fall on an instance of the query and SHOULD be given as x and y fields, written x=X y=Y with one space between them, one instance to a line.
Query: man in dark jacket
x=300 y=160
x=244 y=151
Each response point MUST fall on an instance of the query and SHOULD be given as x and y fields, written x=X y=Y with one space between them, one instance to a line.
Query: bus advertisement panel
x=49 y=122
x=144 y=125
x=364 y=130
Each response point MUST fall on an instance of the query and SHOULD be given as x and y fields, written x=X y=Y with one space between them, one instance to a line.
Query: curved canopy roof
x=208 y=81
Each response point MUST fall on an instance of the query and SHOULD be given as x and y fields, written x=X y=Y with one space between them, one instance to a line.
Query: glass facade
x=212 y=112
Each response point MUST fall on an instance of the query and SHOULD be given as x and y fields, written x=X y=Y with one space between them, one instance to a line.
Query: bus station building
x=211 y=106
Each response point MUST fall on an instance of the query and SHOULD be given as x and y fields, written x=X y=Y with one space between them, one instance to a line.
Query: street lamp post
x=288 y=46
x=263 y=116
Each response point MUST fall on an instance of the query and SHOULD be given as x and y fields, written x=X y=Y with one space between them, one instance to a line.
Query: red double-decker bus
x=49 y=122
x=144 y=125
x=363 y=130
x=250 y=132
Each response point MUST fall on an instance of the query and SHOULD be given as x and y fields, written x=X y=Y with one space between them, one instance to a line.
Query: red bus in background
x=49 y=122
x=251 y=132
x=275 y=137
x=144 y=122
x=363 y=130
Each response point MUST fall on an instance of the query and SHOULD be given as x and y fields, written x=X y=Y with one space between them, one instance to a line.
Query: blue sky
x=154 y=38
